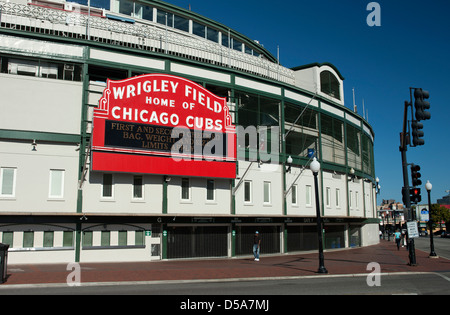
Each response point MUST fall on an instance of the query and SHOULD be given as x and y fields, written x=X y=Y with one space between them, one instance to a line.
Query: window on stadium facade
x=172 y=20
x=101 y=4
x=353 y=147
x=41 y=68
x=333 y=149
x=135 y=9
x=139 y=10
x=329 y=84
x=367 y=155
x=301 y=129
x=259 y=116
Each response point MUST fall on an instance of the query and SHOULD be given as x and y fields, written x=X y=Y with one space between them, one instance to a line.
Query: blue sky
x=411 y=48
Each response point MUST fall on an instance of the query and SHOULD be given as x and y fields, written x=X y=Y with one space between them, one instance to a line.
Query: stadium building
x=90 y=97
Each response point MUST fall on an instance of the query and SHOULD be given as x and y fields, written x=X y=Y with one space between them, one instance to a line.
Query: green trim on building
x=39 y=136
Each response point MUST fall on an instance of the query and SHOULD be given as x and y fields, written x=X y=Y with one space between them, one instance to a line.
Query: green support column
x=285 y=235
x=164 y=201
x=82 y=157
x=164 y=242
x=233 y=240
x=77 y=242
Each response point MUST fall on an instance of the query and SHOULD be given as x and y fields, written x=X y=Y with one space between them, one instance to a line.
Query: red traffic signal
x=414 y=195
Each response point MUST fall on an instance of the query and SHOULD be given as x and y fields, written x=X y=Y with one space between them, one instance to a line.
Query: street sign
x=424 y=215
x=413 y=230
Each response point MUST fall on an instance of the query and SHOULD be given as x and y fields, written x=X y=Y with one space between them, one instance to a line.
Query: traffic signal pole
x=405 y=192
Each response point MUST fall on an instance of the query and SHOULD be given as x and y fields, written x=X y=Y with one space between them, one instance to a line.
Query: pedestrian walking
x=256 y=245
x=398 y=238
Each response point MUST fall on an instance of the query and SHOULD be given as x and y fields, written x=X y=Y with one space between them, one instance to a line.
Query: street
x=351 y=276
x=391 y=284
x=420 y=283
x=441 y=245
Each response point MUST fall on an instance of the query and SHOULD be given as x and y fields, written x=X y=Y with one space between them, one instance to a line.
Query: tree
x=440 y=214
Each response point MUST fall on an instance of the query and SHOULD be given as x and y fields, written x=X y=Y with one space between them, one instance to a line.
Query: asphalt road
x=441 y=245
x=390 y=284
x=265 y=290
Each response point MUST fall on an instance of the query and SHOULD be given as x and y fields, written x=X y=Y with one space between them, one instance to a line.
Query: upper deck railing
x=141 y=35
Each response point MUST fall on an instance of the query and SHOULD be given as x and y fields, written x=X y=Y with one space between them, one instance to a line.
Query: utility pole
x=407 y=191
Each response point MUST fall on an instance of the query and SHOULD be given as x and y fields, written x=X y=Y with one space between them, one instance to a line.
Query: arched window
x=329 y=84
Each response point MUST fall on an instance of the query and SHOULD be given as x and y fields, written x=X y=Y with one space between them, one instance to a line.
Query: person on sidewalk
x=256 y=245
x=398 y=238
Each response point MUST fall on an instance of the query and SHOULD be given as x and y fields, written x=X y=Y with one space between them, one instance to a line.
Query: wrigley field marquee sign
x=163 y=124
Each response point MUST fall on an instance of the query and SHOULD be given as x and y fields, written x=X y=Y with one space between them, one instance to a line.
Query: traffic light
x=415 y=175
x=404 y=194
x=417 y=133
x=414 y=195
x=421 y=105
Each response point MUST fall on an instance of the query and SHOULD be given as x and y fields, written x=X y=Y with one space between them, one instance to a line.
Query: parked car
x=445 y=234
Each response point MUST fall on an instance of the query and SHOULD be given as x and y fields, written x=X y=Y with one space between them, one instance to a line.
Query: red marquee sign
x=163 y=124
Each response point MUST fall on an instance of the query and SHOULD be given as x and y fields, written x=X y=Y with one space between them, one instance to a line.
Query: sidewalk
x=337 y=262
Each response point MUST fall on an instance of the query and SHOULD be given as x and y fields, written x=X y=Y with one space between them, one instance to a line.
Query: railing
x=149 y=36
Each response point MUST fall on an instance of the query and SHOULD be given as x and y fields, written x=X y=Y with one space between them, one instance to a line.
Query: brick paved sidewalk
x=337 y=262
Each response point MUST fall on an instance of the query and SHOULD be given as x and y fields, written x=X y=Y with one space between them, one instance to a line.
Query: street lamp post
x=315 y=168
x=428 y=187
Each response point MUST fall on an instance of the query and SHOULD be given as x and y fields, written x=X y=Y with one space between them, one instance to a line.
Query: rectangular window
x=164 y=17
x=181 y=23
x=356 y=199
x=8 y=238
x=105 y=238
x=210 y=187
x=338 y=197
x=67 y=239
x=198 y=29
x=237 y=45
x=138 y=192
x=247 y=191
x=23 y=67
x=294 y=195
x=139 y=237
x=308 y=195
x=212 y=34
x=350 y=199
x=87 y=238
x=107 y=190
x=48 y=238
x=225 y=40
x=185 y=193
x=48 y=70
x=147 y=13
x=123 y=238
x=56 y=184
x=7 y=182
x=126 y=7
x=103 y=4
x=28 y=239
x=328 y=197
x=266 y=192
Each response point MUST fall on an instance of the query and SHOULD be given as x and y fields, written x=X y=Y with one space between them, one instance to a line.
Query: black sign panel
x=158 y=138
